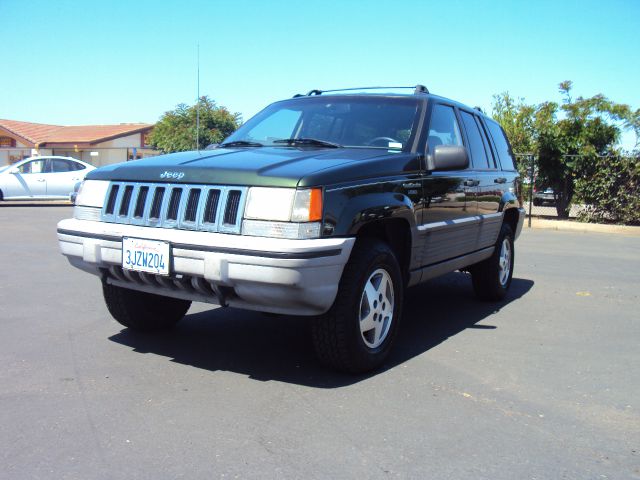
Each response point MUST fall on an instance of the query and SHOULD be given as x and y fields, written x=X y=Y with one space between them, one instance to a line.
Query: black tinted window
x=443 y=128
x=488 y=146
x=502 y=146
x=476 y=145
x=58 y=166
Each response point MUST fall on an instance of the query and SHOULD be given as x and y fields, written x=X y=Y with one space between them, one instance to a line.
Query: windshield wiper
x=241 y=143
x=308 y=141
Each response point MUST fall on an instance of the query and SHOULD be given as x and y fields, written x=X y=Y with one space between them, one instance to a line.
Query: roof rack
x=416 y=90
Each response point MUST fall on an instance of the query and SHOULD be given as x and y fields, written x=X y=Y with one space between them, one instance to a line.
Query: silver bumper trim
x=298 y=277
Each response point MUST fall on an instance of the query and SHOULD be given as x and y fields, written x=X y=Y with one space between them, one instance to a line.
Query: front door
x=449 y=197
x=29 y=181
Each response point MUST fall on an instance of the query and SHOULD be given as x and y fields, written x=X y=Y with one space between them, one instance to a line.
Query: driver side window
x=34 y=166
x=443 y=128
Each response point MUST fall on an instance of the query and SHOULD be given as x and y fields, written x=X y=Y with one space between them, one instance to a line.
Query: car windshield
x=331 y=122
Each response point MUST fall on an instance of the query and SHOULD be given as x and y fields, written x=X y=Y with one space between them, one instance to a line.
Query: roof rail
x=416 y=89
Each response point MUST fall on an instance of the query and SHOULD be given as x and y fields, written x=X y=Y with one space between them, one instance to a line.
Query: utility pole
x=198 y=104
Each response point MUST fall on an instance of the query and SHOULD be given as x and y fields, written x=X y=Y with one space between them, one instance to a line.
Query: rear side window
x=502 y=145
x=59 y=166
x=443 y=128
x=476 y=145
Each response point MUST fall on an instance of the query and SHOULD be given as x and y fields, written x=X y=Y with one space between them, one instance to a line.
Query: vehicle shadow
x=266 y=347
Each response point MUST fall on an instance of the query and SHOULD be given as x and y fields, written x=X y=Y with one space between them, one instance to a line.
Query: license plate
x=148 y=256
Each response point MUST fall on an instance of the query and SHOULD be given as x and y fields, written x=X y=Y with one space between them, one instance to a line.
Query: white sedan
x=42 y=178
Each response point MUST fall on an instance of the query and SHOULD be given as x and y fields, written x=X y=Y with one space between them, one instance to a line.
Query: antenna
x=198 y=104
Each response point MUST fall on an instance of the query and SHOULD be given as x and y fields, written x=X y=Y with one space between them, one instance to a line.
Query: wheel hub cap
x=505 y=262
x=376 y=308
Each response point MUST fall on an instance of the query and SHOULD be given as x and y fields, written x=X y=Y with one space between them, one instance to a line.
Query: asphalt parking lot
x=544 y=385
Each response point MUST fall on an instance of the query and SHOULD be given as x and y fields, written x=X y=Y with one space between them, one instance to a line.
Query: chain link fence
x=539 y=200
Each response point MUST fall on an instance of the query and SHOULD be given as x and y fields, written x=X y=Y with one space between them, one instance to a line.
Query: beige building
x=95 y=144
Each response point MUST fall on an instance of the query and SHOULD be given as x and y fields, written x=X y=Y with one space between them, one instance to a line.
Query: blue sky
x=73 y=62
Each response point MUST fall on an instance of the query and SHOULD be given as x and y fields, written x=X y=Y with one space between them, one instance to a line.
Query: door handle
x=411 y=185
x=471 y=183
x=500 y=180
x=39 y=179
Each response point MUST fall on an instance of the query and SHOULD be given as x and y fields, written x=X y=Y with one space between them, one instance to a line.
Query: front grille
x=157 y=202
x=190 y=207
x=231 y=212
x=126 y=200
x=211 y=207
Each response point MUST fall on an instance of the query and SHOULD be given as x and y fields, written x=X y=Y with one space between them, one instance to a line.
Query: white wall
x=129 y=141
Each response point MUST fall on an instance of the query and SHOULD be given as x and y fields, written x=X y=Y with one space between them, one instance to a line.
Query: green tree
x=566 y=138
x=518 y=121
x=571 y=136
x=176 y=129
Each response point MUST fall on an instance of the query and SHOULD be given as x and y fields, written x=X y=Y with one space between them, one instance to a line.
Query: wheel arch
x=395 y=232
x=511 y=218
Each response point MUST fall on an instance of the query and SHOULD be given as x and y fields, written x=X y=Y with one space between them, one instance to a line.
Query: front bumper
x=297 y=277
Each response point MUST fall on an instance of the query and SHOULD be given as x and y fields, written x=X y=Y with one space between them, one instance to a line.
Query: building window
x=145 y=138
x=7 y=142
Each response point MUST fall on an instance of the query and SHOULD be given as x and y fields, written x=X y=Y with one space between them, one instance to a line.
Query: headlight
x=289 y=212
x=269 y=203
x=92 y=193
x=284 y=204
x=90 y=199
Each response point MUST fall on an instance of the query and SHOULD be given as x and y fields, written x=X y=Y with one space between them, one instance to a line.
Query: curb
x=579 y=227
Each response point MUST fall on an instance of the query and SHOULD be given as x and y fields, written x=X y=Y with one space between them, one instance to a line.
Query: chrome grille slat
x=211 y=208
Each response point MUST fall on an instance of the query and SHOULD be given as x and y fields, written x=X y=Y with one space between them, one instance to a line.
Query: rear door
x=490 y=183
x=62 y=175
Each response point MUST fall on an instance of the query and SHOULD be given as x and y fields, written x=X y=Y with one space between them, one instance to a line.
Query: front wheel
x=143 y=311
x=492 y=277
x=356 y=334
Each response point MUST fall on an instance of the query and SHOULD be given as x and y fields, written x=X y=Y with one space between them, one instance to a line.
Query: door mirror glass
x=449 y=157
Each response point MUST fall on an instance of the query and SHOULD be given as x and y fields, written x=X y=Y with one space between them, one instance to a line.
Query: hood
x=265 y=166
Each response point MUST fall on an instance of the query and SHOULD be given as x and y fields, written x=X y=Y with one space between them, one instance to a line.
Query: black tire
x=489 y=279
x=337 y=336
x=537 y=202
x=143 y=311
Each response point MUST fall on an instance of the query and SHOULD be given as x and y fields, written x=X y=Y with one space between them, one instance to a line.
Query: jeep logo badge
x=174 y=175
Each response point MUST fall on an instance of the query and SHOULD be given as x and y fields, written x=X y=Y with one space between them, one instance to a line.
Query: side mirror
x=448 y=157
x=14 y=170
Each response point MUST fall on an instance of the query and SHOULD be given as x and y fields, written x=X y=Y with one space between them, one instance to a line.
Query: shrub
x=611 y=191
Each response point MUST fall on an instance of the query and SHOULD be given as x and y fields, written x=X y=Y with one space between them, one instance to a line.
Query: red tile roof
x=42 y=134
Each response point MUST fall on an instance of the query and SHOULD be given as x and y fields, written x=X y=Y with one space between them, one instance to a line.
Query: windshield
x=331 y=121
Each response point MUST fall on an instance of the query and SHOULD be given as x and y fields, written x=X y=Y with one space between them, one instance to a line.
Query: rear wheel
x=492 y=277
x=143 y=311
x=356 y=334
